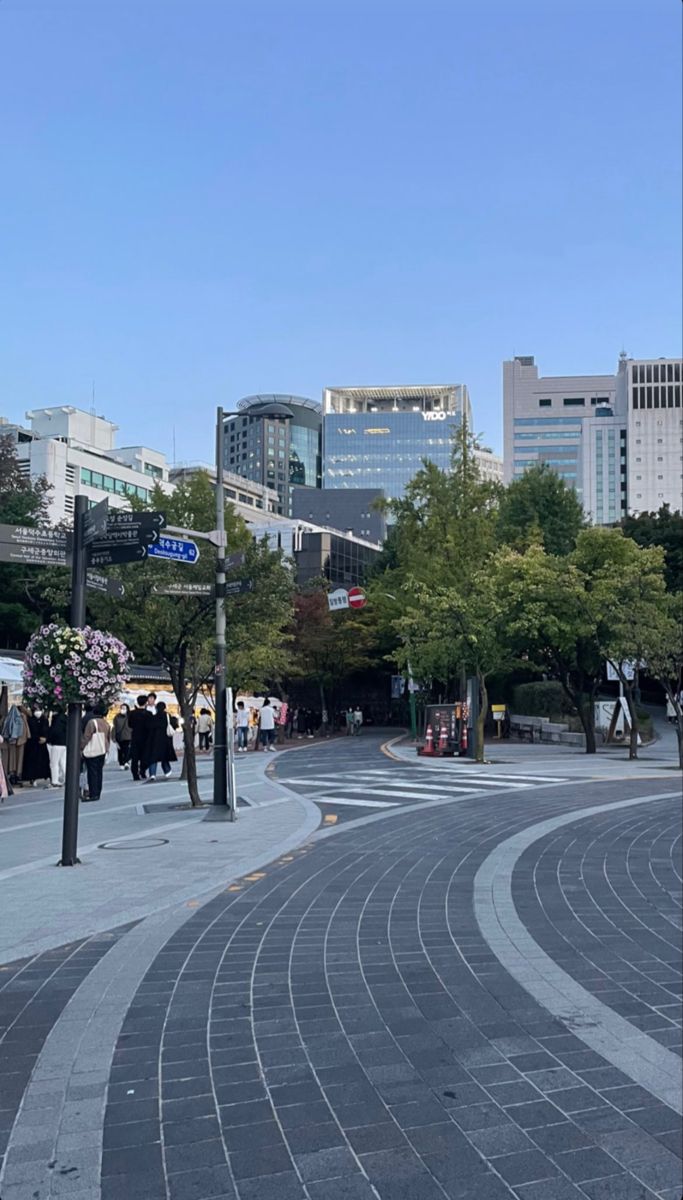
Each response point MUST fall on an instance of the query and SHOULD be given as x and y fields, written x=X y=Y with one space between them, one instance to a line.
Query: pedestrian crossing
x=390 y=787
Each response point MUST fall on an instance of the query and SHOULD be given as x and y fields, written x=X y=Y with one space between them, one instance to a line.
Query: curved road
x=457 y=989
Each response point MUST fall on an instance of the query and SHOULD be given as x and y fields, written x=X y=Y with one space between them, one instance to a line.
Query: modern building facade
x=655 y=434
x=378 y=437
x=275 y=440
x=349 y=510
x=490 y=465
x=315 y=552
x=617 y=439
x=243 y=493
x=75 y=451
x=576 y=424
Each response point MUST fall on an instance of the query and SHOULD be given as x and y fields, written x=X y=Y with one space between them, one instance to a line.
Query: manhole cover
x=137 y=844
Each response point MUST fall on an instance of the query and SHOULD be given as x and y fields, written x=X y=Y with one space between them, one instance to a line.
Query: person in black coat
x=140 y=721
x=36 y=759
x=160 y=749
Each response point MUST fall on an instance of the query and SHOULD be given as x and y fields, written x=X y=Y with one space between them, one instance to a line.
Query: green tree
x=27 y=593
x=328 y=646
x=551 y=624
x=447 y=630
x=540 y=507
x=665 y=659
x=663 y=528
x=444 y=533
x=628 y=597
x=178 y=632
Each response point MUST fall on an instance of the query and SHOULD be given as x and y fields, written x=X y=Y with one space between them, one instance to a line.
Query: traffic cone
x=429 y=741
x=463 y=739
x=443 y=739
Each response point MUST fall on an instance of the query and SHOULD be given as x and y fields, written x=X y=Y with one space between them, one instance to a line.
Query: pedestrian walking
x=140 y=721
x=204 y=729
x=253 y=727
x=94 y=748
x=161 y=751
x=267 y=725
x=36 y=766
x=121 y=736
x=348 y=716
x=242 y=727
x=56 y=747
x=357 y=719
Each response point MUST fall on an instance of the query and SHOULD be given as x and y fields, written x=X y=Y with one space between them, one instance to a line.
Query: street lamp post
x=220 y=747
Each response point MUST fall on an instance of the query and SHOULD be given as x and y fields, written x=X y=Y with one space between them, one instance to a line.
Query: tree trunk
x=633 y=739
x=585 y=712
x=481 y=718
x=178 y=679
x=323 y=709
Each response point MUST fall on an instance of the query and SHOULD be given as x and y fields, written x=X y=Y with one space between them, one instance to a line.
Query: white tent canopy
x=10 y=671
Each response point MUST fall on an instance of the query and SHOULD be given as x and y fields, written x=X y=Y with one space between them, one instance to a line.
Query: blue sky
x=203 y=199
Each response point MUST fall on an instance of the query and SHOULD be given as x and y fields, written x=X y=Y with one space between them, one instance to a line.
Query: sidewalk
x=657 y=758
x=134 y=862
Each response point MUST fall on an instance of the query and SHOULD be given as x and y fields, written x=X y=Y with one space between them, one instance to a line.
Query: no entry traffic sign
x=357 y=598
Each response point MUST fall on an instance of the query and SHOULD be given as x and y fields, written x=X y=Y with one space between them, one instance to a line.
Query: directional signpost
x=34 y=547
x=235 y=587
x=101 y=583
x=95 y=522
x=183 y=589
x=175 y=549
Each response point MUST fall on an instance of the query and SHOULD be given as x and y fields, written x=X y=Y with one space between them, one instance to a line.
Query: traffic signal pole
x=73 y=734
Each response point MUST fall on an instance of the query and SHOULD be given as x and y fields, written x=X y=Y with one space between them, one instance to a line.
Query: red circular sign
x=357 y=597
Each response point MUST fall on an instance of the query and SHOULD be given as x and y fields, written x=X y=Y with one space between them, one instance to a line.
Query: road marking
x=629 y=1049
x=353 y=803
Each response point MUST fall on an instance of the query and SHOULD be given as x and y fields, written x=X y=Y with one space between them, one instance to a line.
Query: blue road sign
x=177 y=549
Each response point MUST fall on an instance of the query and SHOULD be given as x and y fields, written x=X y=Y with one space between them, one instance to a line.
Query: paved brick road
x=348 y=1024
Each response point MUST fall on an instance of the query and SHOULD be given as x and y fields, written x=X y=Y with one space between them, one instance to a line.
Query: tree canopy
x=540 y=507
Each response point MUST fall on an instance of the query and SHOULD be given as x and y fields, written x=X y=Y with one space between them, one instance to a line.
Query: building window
x=86 y=477
x=544 y=403
x=574 y=401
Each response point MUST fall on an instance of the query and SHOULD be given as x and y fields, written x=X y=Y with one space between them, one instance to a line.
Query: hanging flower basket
x=66 y=666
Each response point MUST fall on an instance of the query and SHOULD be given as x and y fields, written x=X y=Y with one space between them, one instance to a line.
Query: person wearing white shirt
x=267 y=725
x=242 y=727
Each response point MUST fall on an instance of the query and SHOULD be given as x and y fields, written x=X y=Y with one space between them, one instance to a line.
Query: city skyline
x=252 y=200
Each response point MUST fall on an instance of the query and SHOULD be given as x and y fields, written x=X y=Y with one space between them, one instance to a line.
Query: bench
x=525 y=732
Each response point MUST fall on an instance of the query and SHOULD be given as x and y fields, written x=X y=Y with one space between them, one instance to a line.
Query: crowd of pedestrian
x=33 y=746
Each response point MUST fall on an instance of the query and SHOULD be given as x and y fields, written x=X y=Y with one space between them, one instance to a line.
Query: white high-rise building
x=655 y=434
x=74 y=450
x=615 y=438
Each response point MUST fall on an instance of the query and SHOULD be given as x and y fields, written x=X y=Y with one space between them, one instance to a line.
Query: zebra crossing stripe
x=355 y=803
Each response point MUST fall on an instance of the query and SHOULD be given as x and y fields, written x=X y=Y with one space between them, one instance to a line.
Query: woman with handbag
x=161 y=749
x=94 y=748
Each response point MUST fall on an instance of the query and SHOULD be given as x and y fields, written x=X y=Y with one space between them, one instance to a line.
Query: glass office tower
x=379 y=437
x=275 y=440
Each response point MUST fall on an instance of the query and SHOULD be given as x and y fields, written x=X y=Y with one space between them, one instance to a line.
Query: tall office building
x=378 y=437
x=655 y=434
x=615 y=438
x=576 y=424
x=274 y=440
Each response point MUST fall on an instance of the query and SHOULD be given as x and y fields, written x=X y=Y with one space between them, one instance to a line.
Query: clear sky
x=202 y=199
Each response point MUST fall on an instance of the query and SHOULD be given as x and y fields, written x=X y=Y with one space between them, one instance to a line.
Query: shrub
x=544 y=699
